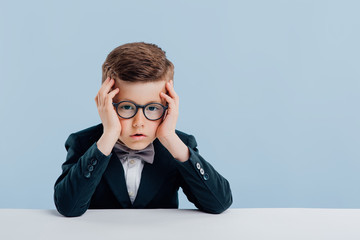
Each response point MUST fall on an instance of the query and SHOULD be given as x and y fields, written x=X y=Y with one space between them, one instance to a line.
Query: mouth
x=138 y=136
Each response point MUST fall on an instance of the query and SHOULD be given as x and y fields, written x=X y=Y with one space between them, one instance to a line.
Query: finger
x=171 y=102
x=98 y=99
x=171 y=90
x=105 y=88
x=107 y=80
x=113 y=93
x=100 y=91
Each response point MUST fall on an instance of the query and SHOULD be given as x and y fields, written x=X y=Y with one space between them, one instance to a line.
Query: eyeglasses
x=152 y=111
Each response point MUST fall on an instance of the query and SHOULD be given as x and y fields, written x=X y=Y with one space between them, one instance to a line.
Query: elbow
x=217 y=210
x=220 y=207
x=67 y=209
x=67 y=212
x=224 y=205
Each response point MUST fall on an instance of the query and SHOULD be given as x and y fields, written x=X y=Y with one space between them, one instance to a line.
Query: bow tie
x=146 y=154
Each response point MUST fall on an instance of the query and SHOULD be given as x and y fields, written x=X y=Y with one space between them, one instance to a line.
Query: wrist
x=106 y=142
x=166 y=141
x=111 y=134
x=176 y=147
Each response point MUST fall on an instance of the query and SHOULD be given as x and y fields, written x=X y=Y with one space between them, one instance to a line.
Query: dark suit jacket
x=92 y=180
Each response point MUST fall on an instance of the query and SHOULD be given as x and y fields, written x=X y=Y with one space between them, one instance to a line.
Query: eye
x=152 y=108
x=126 y=107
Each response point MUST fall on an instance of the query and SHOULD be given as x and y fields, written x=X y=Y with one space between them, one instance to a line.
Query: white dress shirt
x=132 y=169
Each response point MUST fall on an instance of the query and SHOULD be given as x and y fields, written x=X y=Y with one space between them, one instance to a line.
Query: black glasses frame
x=137 y=108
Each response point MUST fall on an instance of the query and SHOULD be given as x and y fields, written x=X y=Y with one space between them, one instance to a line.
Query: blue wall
x=270 y=89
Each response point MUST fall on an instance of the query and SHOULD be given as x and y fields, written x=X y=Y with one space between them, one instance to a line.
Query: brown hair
x=137 y=62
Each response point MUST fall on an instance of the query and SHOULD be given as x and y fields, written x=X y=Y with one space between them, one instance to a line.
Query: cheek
x=124 y=123
x=152 y=126
x=155 y=124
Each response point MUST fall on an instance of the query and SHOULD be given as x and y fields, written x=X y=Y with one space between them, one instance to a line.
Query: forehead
x=139 y=92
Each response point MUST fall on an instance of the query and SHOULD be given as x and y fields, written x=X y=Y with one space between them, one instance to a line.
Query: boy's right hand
x=108 y=116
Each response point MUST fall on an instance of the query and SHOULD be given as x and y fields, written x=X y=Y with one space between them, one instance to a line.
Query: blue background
x=270 y=89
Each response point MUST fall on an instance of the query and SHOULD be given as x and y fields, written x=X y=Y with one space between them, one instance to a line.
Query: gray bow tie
x=146 y=154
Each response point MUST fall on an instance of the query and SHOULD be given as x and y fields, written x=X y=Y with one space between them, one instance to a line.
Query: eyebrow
x=129 y=100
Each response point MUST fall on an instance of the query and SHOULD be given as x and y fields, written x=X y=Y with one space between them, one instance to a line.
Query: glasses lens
x=126 y=109
x=154 y=111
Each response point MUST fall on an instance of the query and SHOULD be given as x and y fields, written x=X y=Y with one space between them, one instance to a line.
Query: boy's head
x=137 y=62
x=140 y=71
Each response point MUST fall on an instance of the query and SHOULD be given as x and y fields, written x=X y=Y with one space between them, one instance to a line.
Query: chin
x=138 y=145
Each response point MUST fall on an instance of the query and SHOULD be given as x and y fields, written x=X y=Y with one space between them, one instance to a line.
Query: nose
x=139 y=119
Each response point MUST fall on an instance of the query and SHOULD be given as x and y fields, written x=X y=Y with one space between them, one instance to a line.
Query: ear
x=165 y=114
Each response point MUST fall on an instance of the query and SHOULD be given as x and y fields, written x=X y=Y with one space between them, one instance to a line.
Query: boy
x=136 y=158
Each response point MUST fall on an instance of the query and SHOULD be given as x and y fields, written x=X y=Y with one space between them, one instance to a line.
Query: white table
x=267 y=223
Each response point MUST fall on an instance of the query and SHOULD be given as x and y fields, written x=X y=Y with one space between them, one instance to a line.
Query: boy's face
x=142 y=94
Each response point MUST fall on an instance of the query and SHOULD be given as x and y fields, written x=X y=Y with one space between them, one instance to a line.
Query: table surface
x=247 y=223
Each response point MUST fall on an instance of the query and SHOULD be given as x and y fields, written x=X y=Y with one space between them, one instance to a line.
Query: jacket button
x=202 y=171
x=91 y=168
x=198 y=166
x=206 y=176
x=93 y=161
x=87 y=174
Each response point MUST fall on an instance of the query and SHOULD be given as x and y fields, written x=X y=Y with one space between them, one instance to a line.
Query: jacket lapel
x=114 y=175
x=153 y=176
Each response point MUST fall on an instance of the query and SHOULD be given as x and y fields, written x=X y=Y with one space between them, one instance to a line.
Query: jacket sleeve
x=202 y=184
x=81 y=173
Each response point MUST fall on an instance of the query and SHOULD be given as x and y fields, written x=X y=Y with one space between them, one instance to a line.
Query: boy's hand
x=166 y=130
x=108 y=116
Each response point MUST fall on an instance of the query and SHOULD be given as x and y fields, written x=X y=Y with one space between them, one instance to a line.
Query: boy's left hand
x=166 y=129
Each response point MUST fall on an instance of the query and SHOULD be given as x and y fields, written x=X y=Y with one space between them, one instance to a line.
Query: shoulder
x=85 y=137
x=188 y=139
x=182 y=134
x=89 y=132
